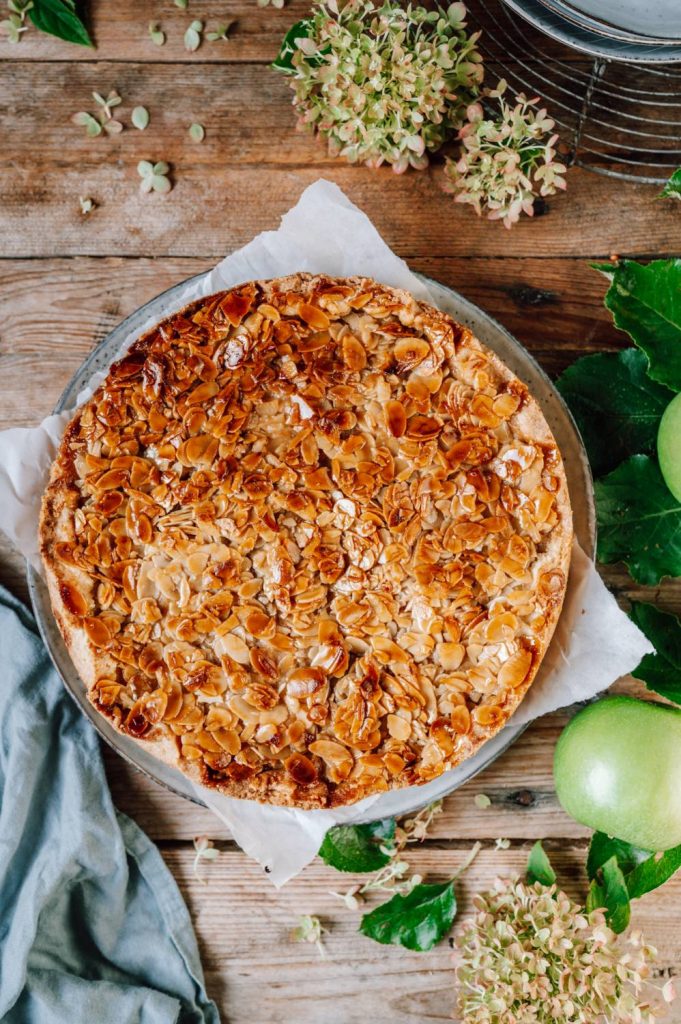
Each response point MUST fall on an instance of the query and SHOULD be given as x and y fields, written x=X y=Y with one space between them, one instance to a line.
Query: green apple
x=669 y=446
x=617 y=769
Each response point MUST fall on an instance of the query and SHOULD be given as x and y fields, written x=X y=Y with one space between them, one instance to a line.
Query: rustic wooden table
x=67 y=279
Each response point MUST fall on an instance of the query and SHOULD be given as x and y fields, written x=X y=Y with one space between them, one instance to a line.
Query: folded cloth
x=92 y=925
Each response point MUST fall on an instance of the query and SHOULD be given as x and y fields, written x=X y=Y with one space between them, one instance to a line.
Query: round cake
x=308 y=541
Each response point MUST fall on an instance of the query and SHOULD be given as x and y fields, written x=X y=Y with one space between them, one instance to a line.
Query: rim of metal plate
x=618 y=112
x=600 y=22
x=579 y=476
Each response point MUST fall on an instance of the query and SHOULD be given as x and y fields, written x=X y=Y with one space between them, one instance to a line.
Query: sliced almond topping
x=409 y=352
x=450 y=655
x=306 y=540
x=399 y=728
x=314 y=316
x=301 y=769
x=395 y=418
x=354 y=353
x=233 y=646
x=513 y=672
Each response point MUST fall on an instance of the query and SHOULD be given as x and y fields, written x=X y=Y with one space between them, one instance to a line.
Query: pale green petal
x=160 y=183
x=140 y=118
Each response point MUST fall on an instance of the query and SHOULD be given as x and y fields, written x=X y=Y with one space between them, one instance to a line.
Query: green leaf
x=616 y=405
x=661 y=671
x=539 y=866
x=643 y=871
x=639 y=521
x=59 y=18
x=653 y=872
x=672 y=190
x=645 y=301
x=612 y=895
x=603 y=847
x=416 y=921
x=301 y=30
x=358 y=847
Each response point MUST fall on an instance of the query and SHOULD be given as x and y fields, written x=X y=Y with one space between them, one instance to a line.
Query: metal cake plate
x=580 y=485
x=574 y=28
x=627 y=20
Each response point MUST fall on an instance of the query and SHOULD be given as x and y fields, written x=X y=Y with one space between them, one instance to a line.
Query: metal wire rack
x=617 y=119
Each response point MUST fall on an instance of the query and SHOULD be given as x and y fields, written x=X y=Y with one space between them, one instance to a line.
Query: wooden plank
x=225 y=191
x=257 y=974
x=256 y=36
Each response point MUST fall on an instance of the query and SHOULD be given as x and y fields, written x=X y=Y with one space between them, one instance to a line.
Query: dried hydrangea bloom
x=308 y=541
x=530 y=955
x=507 y=159
x=383 y=84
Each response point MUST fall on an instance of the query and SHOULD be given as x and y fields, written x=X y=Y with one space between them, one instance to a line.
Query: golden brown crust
x=308 y=542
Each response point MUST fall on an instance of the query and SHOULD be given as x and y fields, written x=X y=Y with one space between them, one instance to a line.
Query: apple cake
x=308 y=541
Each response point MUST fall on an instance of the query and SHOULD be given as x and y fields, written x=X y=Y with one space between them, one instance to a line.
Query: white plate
x=514 y=356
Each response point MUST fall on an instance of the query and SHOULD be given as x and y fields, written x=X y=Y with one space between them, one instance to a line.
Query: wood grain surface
x=66 y=280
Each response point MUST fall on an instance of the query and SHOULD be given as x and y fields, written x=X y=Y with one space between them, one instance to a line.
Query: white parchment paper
x=595 y=642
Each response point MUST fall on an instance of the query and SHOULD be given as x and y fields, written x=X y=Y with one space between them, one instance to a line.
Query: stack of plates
x=634 y=30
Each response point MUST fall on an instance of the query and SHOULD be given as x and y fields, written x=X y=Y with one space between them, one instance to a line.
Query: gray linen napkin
x=93 y=929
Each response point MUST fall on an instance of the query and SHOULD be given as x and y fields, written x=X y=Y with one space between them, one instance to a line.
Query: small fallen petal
x=192 y=39
x=221 y=32
x=161 y=167
x=482 y=801
x=157 y=36
x=182 y=4
x=309 y=929
x=140 y=118
x=160 y=183
x=113 y=127
x=87 y=205
x=197 y=132
x=145 y=168
x=205 y=850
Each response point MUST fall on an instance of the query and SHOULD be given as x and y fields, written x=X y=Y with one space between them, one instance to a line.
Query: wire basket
x=617 y=119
